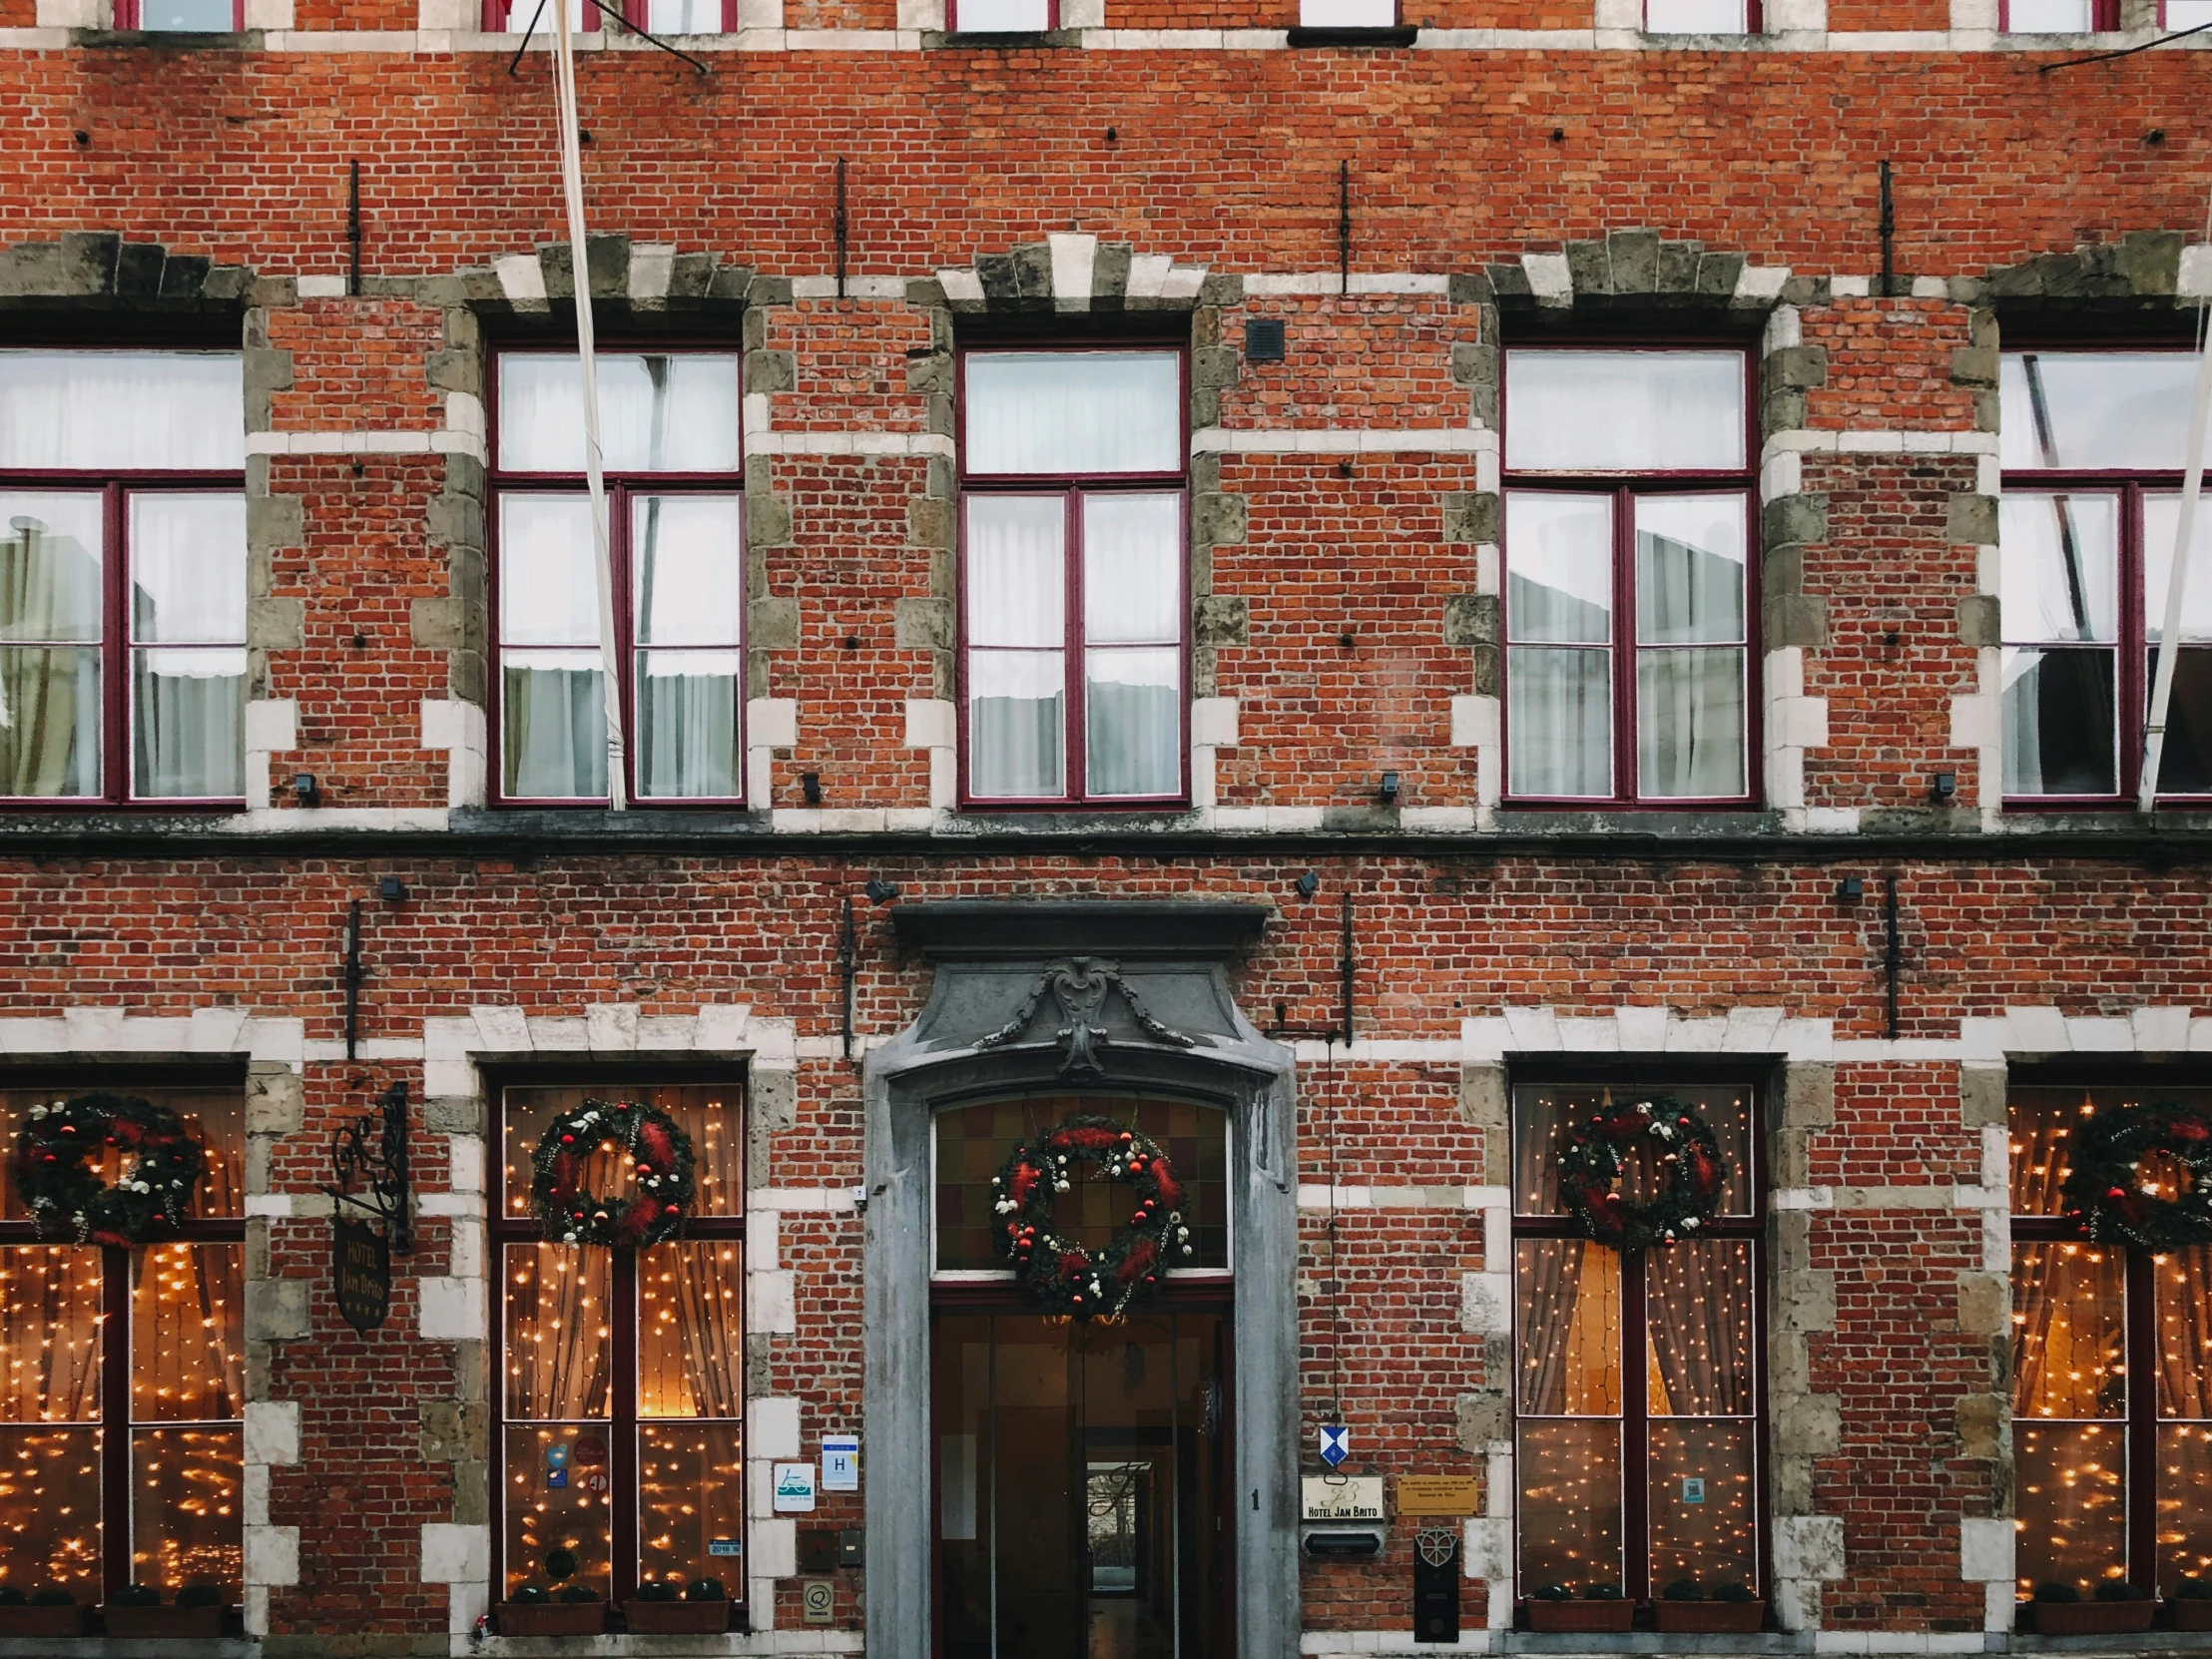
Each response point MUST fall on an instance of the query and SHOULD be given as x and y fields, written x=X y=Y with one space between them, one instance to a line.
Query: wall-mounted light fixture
x=1307 y=884
x=303 y=788
x=880 y=891
x=391 y=889
x=1850 y=890
x=1387 y=789
x=809 y=784
x=1943 y=787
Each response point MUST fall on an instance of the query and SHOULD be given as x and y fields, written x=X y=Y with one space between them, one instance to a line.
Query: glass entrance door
x=1078 y=1478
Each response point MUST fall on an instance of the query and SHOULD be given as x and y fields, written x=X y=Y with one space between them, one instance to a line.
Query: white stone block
x=932 y=723
x=1214 y=722
x=2194 y=283
x=453 y=1310
x=2100 y=1037
x=1644 y=1029
x=775 y=1548
x=1785 y=328
x=219 y=1030
x=453 y=1554
x=722 y=1027
x=1183 y=283
x=273 y=725
x=961 y=286
x=1850 y=287
x=549 y=1035
x=667 y=1033
x=1072 y=254
x=2035 y=1030
x=465 y=1604
x=1986 y=1549
x=272 y=1555
x=770 y=1303
x=448 y=1038
x=652 y=267
x=1487 y=1303
x=1550 y=277
x=1808 y=1546
x=612 y=1027
x=772 y=1428
x=451 y=1078
x=1489 y=1550
x=272 y=1432
x=772 y=722
x=1760 y=282
x=1977 y=721
x=2160 y=1030
x=1474 y=721
x=1532 y=1030
x=1799 y=722
x=521 y=278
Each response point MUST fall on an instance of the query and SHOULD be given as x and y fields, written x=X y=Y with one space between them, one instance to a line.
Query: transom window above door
x=1073 y=593
x=676 y=526
x=1628 y=595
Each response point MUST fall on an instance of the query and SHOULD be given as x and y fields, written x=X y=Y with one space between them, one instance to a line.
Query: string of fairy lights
x=185 y=1337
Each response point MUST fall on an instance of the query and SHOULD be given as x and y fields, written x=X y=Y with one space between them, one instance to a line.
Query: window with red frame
x=668 y=436
x=2059 y=17
x=2112 y=1380
x=122 y=577
x=660 y=17
x=2091 y=445
x=1628 y=597
x=1639 y=1435
x=620 y=1420
x=1346 y=14
x=1702 y=16
x=1073 y=609
x=182 y=16
x=122 y=1440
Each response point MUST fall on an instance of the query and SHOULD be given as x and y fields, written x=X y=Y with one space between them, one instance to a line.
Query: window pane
x=2184 y=1503
x=1542 y=1115
x=1559 y=721
x=188 y=1517
x=710 y=1114
x=1689 y=723
x=983 y=16
x=691 y=1338
x=2188 y=14
x=50 y=1498
x=49 y=1337
x=2184 y=1293
x=1132 y=569
x=2059 y=722
x=1690 y=569
x=2059 y=564
x=557 y=1311
x=548 y=571
x=188 y=710
x=558 y=1498
x=187 y=1333
x=1703 y=1503
x=196 y=16
x=1346 y=14
x=1134 y=714
x=2068 y=1335
x=657 y=413
x=687 y=722
x=2043 y=1121
x=2057 y=16
x=972 y=1142
x=2185 y=765
x=1624 y=411
x=1559 y=568
x=553 y=724
x=214 y=1117
x=1068 y=411
x=1698 y=1300
x=2069 y=1492
x=49 y=720
x=1570 y=1504
x=1694 y=17
x=50 y=566
x=2090 y=408
x=115 y=410
x=690 y=1496
x=1569 y=1300
x=1016 y=577
x=1015 y=722
x=685 y=17
x=187 y=569
x=687 y=562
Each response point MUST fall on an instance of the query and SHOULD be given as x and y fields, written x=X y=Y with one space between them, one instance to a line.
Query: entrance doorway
x=1078 y=1478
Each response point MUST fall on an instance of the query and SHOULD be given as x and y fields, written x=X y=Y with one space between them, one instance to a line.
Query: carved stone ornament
x=1080 y=985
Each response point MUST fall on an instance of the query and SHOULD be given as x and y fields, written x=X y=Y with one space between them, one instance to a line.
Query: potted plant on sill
x=1730 y=1610
x=1601 y=1608
x=574 y=1612
x=47 y=1612
x=656 y=1611
x=2192 y=1604
x=136 y=1611
x=2119 y=1608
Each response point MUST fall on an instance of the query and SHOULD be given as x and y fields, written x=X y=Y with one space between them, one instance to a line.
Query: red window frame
x=1072 y=487
x=513 y=16
x=621 y=487
x=1051 y=18
x=115 y=1424
x=1635 y=1418
x=116 y=704
x=2104 y=16
x=1622 y=488
x=129 y=12
x=508 y=1227
x=2131 y=678
x=1755 y=20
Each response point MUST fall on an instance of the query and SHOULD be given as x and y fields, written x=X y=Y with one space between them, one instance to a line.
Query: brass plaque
x=818 y=1601
x=1438 y=1494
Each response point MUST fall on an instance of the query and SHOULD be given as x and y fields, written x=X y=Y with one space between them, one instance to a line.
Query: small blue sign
x=556 y=1456
x=1335 y=1443
x=1693 y=1489
x=557 y=1478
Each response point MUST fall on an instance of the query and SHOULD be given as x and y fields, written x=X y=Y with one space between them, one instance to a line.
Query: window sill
x=110 y=1647
x=1003 y=40
x=820 y=1640
x=1397 y=34
x=174 y=39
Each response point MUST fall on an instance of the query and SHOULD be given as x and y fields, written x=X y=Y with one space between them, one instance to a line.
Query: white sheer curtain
x=552 y=710
x=117 y=410
x=1072 y=412
x=1624 y=411
x=1559 y=627
x=657 y=413
x=1690 y=666
x=2059 y=565
x=1132 y=631
x=688 y=575
x=1017 y=639
x=188 y=636
x=50 y=623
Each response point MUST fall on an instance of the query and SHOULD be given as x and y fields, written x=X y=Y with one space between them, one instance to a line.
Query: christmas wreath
x=56 y=1158
x=1063 y=1273
x=1689 y=1163
x=659 y=1155
x=2105 y=1188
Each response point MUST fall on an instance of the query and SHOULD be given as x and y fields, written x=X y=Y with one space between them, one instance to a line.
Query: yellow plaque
x=1438 y=1494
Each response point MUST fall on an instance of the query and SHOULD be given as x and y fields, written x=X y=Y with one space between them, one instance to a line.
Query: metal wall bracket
x=373 y=1147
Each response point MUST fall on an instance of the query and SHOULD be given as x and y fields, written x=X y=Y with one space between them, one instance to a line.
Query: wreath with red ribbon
x=1690 y=1166
x=661 y=1158
x=2105 y=1188
x=1064 y=1275
x=56 y=1154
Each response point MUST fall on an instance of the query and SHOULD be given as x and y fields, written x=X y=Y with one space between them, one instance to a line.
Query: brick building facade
x=1750 y=719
